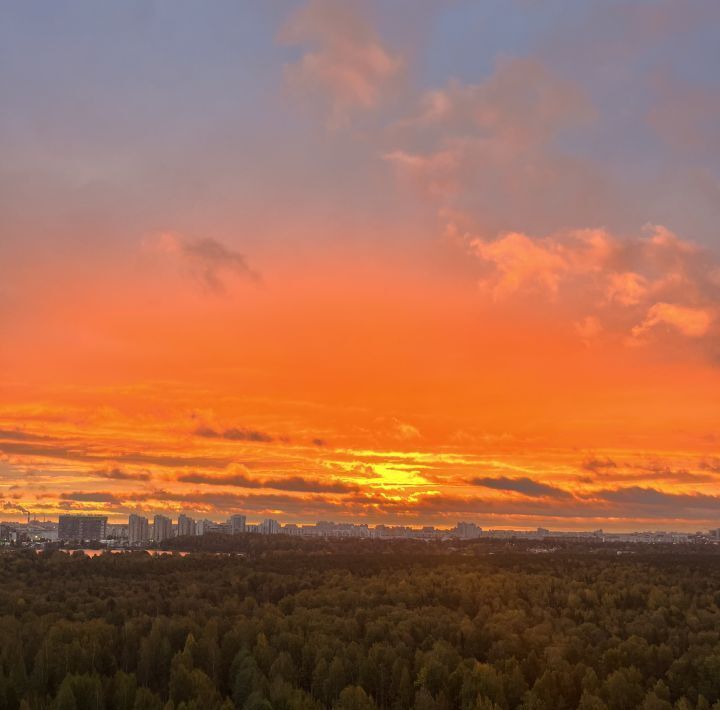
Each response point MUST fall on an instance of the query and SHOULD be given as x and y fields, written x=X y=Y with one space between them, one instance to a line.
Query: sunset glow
x=309 y=262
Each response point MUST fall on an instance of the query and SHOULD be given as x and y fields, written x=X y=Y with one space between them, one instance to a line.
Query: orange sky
x=411 y=306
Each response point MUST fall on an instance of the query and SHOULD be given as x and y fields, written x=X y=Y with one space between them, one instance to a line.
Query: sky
x=407 y=262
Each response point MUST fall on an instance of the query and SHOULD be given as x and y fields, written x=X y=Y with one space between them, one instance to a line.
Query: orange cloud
x=521 y=262
x=691 y=322
x=627 y=288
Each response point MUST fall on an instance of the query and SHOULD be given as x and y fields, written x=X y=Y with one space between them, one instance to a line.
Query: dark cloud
x=319 y=442
x=17 y=435
x=606 y=469
x=172 y=461
x=666 y=473
x=223 y=502
x=89 y=497
x=292 y=483
x=209 y=260
x=234 y=434
x=651 y=502
x=526 y=486
x=118 y=474
x=596 y=464
x=712 y=464
x=52 y=451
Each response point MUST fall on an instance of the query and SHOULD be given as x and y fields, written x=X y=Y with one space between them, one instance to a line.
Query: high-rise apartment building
x=138 y=530
x=82 y=527
x=185 y=525
x=269 y=527
x=237 y=524
x=467 y=531
x=162 y=528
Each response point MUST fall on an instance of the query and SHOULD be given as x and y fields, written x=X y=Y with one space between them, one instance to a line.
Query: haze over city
x=409 y=263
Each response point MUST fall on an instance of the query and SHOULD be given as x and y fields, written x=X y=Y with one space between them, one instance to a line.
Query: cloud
x=207 y=259
x=492 y=149
x=712 y=464
x=597 y=465
x=517 y=263
x=522 y=103
x=656 y=471
x=520 y=262
x=691 y=322
x=344 y=61
x=291 y=483
x=655 y=284
x=494 y=158
x=65 y=452
x=234 y=434
x=627 y=289
x=588 y=329
x=397 y=429
x=659 y=502
x=225 y=502
x=17 y=435
x=525 y=486
x=89 y=497
x=118 y=474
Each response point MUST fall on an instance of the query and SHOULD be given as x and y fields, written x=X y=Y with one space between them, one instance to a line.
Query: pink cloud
x=346 y=62
x=490 y=148
x=606 y=284
x=521 y=103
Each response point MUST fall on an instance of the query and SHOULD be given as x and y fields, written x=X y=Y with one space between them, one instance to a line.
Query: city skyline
x=140 y=530
x=308 y=260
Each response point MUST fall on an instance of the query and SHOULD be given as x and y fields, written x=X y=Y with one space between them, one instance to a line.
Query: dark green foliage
x=293 y=625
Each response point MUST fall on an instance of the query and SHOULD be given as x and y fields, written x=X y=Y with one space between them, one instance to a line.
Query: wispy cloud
x=344 y=61
x=208 y=260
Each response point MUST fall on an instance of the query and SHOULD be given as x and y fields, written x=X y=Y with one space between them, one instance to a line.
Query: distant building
x=162 y=528
x=138 y=530
x=205 y=527
x=467 y=531
x=117 y=531
x=185 y=526
x=269 y=527
x=202 y=527
x=6 y=531
x=82 y=527
x=237 y=524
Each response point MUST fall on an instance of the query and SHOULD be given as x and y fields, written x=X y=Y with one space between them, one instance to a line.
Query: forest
x=361 y=625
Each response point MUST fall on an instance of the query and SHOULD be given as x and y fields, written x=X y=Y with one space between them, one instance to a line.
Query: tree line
x=354 y=626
